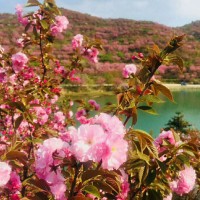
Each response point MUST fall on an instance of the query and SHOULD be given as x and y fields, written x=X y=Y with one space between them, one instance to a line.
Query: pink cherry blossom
x=41 y=115
x=3 y=76
x=54 y=99
x=80 y=113
x=185 y=182
x=46 y=162
x=20 y=42
x=94 y=104
x=14 y=184
x=72 y=76
x=77 y=41
x=61 y=23
x=5 y=171
x=14 y=197
x=19 y=61
x=92 y=54
x=128 y=70
x=19 y=11
x=164 y=135
x=125 y=187
x=117 y=155
x=85 y=141
x=111 y=124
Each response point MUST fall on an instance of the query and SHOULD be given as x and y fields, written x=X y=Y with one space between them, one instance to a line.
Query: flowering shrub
x=45 y=155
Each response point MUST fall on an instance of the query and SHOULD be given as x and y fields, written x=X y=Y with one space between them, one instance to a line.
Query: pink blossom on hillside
x=61 y=23
x=128 y=70
x=5 y=171
x=165 y=135
x=185 y=182
x=110 y=124
x=77 y=41
x=19 y=61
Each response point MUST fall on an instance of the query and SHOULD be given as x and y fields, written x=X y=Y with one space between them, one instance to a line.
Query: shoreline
x=175 y=86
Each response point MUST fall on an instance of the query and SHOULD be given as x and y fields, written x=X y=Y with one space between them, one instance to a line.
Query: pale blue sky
x=167 y=12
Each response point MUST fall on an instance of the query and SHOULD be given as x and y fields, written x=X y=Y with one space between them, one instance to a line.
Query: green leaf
x=91 y=189
x=162 y=166
x=175 y=60
x=44 y=24
x=141 y=133
x=32 y=3
x=38 y=183
x=19 y=105
x=148 y=109
x=140 y=175
x=17 y=155
x=27 y=26
x=144 y=157
x=90 y=174
x=164 y=90
x=150 y=98
x=18 y=121
x=113 y=183
x=151 y=176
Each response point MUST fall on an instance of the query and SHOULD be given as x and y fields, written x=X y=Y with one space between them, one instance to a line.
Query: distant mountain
x=121 y=38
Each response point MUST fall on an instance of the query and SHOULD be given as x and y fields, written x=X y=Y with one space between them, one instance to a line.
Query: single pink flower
x=85 y=141
x=61 y=23
x=19 y=61
x=110 y=124
x=14 y=184
x=92 y=54
x=5 y=171
x=41 y=114
x=185 y=182
x=19 y=11
x=118 y=148
x=164 y=135
x=48 y=167
x=128 y=70
x=77 y=41
x=94 y=104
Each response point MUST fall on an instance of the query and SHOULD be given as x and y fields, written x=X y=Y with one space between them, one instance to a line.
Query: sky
x=168 y=12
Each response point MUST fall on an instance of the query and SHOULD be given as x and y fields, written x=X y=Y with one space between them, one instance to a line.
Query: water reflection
x=186 y=101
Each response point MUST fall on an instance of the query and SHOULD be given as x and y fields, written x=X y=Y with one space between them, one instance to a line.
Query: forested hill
x=121 y=38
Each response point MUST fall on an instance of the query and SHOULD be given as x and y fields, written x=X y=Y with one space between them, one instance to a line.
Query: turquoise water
x=186 y=101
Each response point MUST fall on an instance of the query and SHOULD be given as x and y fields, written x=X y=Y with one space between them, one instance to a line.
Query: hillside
x=121 y=38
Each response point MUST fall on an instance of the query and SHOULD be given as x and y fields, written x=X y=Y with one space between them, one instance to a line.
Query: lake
x=186 y=101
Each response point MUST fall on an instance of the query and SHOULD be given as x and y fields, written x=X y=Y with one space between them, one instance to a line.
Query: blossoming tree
x=45 y=155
